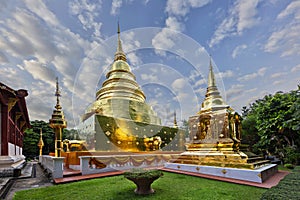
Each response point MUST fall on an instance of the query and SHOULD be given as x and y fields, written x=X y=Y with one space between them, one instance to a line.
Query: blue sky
x=254 y=44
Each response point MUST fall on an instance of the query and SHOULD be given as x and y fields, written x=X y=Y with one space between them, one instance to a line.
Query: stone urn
x=143 y=179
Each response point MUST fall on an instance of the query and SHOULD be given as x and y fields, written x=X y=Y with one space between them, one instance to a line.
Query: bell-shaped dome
x=120 y=95
x=120 y=84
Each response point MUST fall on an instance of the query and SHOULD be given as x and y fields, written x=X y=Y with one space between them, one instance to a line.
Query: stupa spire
x=120 y=55
x=211 y=75
x=57 y=94
x=213 y=99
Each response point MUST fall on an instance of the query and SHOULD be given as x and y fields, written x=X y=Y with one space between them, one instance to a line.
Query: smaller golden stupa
x=215 y=134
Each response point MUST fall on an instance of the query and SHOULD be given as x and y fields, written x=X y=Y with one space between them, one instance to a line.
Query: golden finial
x=120 y=55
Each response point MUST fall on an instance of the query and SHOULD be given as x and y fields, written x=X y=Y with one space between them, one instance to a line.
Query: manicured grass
x=170 y=186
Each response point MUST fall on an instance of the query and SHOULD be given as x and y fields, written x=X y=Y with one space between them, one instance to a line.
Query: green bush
x=288 y=188
x=289 y=166
x=291 y=155
x=142 y=173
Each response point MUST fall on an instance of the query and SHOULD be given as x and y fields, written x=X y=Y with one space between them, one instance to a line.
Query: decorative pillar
x=58 y=123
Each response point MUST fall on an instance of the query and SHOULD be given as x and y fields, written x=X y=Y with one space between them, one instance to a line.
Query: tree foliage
x=272 y=125
x=32 y=137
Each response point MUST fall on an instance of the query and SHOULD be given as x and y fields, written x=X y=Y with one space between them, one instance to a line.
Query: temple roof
x=15 y=98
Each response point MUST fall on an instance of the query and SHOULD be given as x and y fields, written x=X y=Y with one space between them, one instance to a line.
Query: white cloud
x=86 y=13
x=238 y=50
x=278 y=82
x=235 y=90
x=246 y=14
x=292 y=9
x=296 y=68
x=278 y=75
x=182 y=7
x=176 y=12
x=149 y=77
x=134 y=59
x=178 y=84
x=40 y=72
x=285 y=39
x=115 y=6
x=39 y=8
x=173 y=23
x=247 y=77
x=163 y=40
x=3 y=58
x=240 y=17
x=262 y=71
x=226 y=74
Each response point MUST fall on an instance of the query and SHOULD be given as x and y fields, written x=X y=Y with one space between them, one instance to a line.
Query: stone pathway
x=32 y=176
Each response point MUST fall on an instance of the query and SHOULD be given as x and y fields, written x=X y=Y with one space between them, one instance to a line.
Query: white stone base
x=256 y=175
x=8 y=165
x=11 y=161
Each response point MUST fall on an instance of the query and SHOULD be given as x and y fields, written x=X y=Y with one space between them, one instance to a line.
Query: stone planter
x=143 y=180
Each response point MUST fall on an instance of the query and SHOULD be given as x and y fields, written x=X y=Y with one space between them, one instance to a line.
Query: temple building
x=14 y=121
x=120 y=119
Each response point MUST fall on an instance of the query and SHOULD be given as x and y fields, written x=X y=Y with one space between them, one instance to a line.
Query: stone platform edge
x=253 y=175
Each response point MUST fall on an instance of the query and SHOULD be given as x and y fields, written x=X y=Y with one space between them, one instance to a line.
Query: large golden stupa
x=119 y=118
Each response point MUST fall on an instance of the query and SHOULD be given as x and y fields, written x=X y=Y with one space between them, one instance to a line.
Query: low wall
x=99 y=164
x=53 y=165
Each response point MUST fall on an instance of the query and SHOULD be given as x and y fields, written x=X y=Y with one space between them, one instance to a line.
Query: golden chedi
x=215 y=134
x=122 y=115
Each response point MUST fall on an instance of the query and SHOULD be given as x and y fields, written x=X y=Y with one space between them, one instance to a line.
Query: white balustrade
x=53 y=165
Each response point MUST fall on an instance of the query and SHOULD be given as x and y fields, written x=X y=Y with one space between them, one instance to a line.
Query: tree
x=272 y=124
x=32 y=137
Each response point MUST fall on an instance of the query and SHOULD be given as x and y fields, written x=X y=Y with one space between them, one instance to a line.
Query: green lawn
x=170 y=186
